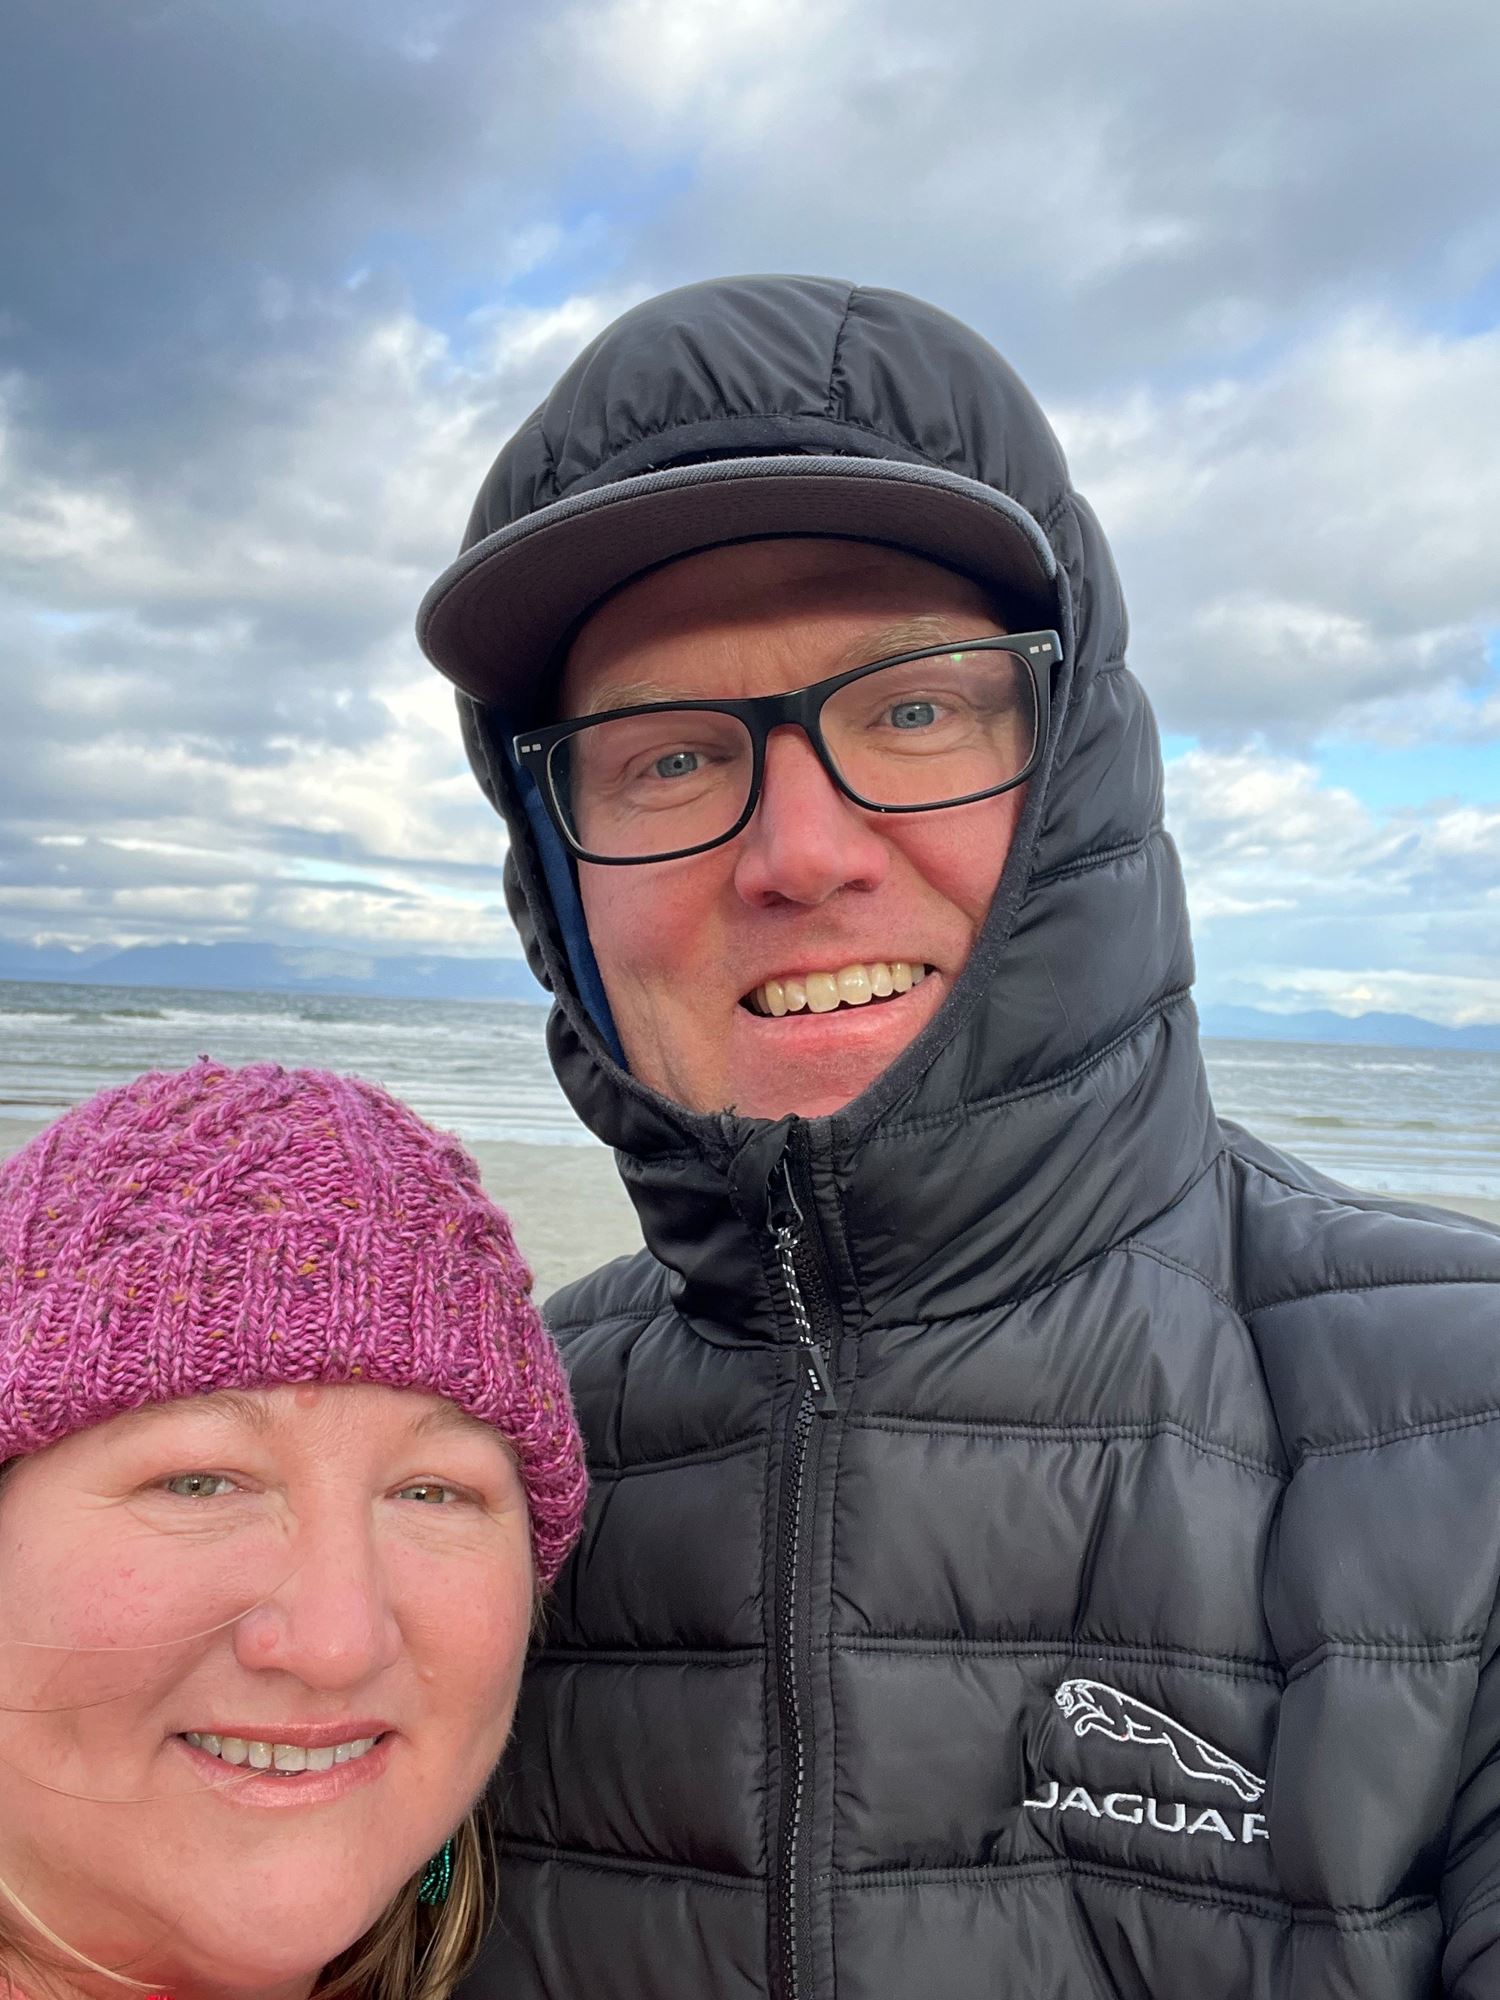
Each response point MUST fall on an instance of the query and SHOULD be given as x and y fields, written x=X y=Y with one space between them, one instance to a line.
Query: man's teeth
x=287 y=1757
x=850 y=986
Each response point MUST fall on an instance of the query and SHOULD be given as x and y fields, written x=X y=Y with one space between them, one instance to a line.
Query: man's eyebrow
x=634 y=694
x=910 y=635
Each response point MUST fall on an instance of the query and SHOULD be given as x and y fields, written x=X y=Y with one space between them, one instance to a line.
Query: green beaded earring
x=437 y=1876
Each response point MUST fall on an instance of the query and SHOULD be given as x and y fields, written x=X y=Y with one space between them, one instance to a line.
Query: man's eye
x=913 y=714
x=676 y=764
x=198 y=1485
x=428 y=1493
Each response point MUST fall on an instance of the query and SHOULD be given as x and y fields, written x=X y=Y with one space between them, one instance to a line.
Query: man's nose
x=805 y=841
x=328 y=1619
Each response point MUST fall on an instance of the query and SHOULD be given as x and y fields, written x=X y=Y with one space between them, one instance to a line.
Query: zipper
x=815 y=1325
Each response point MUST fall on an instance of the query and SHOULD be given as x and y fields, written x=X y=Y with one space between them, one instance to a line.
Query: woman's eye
x=198 y=1485
x=429 y=1492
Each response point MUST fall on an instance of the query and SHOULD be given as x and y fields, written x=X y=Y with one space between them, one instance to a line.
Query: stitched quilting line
x=649 y=1656
x=1477 y=1904
x=1041 y=1433
x=1354 y=1288
x=1400 y=1434
x=1247 y=1902
x=1098 y=858
x=1058 y=1080
x=617 y=1864
x=1232 y=1666
x=739 y=1447
x=1130 y=1246
x=1336 y=1916
x=1083 y=686
x=1355 y=1204
x=1388 y=1652
x=642 y=1316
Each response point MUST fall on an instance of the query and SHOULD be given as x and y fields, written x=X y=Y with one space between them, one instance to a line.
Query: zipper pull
x=785 y=1209
x=825 y=1402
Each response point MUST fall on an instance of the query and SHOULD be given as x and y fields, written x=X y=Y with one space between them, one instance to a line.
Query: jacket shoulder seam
x=1133 y=1246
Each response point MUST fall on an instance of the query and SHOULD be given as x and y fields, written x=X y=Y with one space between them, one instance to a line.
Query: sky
x=278 y=278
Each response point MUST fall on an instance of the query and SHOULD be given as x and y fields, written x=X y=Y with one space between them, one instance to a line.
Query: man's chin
x=814 y=1065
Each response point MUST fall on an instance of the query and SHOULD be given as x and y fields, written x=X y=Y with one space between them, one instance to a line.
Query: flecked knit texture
x=218 y=1228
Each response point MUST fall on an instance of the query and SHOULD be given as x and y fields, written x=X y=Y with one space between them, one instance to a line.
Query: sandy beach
x=571 y=1213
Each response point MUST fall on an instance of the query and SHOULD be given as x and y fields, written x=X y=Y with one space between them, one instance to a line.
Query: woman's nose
x=805 y=841
x=329 y=1620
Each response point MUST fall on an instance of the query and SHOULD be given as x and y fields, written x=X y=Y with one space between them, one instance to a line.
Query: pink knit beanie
x=221 y=1228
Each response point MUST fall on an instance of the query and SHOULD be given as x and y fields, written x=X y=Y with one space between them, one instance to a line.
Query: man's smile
x=819 y=992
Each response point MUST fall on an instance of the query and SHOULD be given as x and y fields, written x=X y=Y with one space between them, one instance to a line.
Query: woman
x=288 y=1460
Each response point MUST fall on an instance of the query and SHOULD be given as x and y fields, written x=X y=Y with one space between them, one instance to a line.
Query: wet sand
x=571 y=1213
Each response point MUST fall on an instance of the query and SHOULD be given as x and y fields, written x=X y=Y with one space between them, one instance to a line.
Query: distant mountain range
x=271 y=968
x=1385 y=1031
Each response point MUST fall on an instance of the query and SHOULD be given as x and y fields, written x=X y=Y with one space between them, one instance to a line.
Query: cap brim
x=495 y=618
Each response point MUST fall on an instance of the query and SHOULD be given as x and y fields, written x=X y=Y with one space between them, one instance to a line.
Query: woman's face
x=341 y=1574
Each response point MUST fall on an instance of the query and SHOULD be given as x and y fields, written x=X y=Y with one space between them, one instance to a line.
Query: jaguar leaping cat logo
x=1095 y=1705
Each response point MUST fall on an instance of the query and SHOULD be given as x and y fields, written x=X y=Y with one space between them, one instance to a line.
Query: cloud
x=1301 y=894
x=189 y=165
x=1105 y=190
x=1310 y=548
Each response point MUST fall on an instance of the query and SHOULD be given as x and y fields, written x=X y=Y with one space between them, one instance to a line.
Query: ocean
x=1402 y=1121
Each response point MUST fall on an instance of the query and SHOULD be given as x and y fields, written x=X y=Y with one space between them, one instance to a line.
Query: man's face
x=814 y=885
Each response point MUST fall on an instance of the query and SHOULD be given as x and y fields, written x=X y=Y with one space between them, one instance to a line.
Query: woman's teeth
x=822 y=992
x=284 y=1757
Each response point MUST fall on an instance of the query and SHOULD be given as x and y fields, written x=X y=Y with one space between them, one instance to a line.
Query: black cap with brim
x=496 y=618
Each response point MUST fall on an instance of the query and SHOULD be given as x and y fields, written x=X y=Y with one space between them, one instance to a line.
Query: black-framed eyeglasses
x=943 y=726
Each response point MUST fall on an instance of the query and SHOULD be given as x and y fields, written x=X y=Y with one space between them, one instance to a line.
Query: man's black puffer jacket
x=1123 y=1620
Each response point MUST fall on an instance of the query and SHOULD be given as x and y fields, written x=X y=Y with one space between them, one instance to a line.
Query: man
x=1042 y=1541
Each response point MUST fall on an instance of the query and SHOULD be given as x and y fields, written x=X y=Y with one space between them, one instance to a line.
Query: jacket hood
x=1065 y=1058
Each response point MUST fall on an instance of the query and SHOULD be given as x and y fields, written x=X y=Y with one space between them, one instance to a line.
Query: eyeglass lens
x=916 y=733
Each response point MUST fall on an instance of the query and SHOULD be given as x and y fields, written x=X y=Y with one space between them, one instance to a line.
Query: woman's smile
x=278 y=1771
